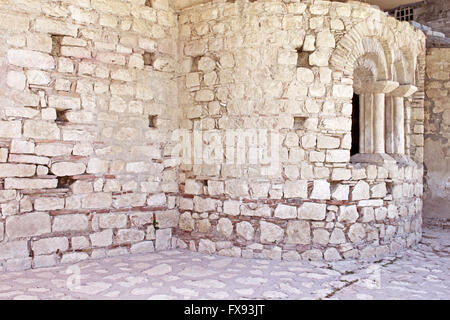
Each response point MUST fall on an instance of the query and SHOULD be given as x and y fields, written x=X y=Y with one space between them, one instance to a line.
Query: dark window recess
x=149 y=58
x=302 y=58
x=152 y=121
x=56 y=45
x=355 y=125
x=299 y=122
x=61 y=115
x=194 y=66
x=65 y=182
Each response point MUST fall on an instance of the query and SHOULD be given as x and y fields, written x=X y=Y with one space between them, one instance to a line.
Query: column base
x=377 y=158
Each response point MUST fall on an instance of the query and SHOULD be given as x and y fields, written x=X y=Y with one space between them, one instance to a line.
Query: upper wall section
x=86 y=103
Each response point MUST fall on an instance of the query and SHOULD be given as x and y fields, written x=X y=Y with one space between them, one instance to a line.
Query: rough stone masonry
x=92 y=91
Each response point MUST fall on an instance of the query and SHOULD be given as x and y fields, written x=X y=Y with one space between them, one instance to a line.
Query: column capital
x=404 y=90
x=384 y=86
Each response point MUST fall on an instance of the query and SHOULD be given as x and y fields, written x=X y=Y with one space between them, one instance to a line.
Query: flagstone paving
x=420 y=273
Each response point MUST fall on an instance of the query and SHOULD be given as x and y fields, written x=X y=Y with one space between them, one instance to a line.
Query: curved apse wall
x=266 y=92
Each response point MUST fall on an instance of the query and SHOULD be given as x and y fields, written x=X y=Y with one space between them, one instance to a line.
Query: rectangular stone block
x=30 y=59
x=102 y=239
x=17 y=170
x=48 y=203
x=24 y=183
x=11 y=129
x=70 y=222
x=13 y=249
x=28 y=225
x=97 y=200
x=55 y=27
x=50 y=245
x=64 y=102
x=38 y=129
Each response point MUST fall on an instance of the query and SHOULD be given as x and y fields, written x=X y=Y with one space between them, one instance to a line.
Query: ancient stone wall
x=87 y=97
x=225 y=127
x=280 y=74
x=437 y=134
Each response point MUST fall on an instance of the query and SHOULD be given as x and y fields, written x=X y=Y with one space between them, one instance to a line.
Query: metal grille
x=404 y=14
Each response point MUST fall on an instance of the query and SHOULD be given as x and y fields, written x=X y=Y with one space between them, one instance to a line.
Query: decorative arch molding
x=366 y=37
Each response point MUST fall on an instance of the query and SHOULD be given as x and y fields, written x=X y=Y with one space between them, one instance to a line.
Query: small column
x=398 y=98
x=378 y=123
x=362 y=110
x=389 y=124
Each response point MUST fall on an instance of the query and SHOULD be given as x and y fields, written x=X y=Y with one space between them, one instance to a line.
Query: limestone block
x=55 y=27
x=298 y=232
x=236 y=188
x=97 y=200
x=186 y=222
x=325 y=39
x=102 y=239
x=295 y=189
x=16 y=170
x=361 y=191
x=337 y=236
x=285 y=212
x=53 y=149
x=379 y=190
x=64 y=102
x=129 y=236
x=68 y=168
x=37 y=129
x=23 y=183
x=340 y=192
x=22 y=146
x=245 y=230
x=312 y=211
x=16 y=80
x=30 y=59
x=321 y=236
x=132 y=200
x=327 y=142
x=270 y=233
x=193 y=187
x=321 y=190
x=50 y=245
x=71 y=222
x=80 y=243
x=340 y=174
x=163 y=239
x=356 y=233
x=231 y=207
x=10 y=129
x=49 y=203
x=96 y=165
x=225 y=227
x=205 y=204
x=215 y=187
x=28 y=225
x=110 y=221
x=206 y=246
x=348 y=214
x=167 y=219
x=14 y=249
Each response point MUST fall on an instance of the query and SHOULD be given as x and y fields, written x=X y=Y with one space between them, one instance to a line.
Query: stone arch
x=366 y=37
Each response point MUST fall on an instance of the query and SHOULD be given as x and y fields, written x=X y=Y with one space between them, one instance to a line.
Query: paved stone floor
x=423 y=273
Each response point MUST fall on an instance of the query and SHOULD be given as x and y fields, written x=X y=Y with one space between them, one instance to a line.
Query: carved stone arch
x=366 y=37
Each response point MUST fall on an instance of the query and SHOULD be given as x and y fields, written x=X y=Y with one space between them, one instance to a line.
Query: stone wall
x=97 y=94
x=437 y=134
x=288 y=67
x=435 y=14
x=87 y=101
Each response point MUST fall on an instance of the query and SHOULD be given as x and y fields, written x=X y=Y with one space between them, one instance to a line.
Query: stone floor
x=423 y=273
